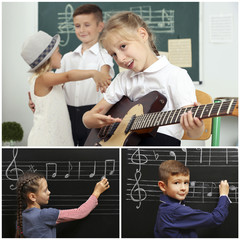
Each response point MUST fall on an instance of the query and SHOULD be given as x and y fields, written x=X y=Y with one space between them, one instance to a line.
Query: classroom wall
x=19 y=20
x=218 y=70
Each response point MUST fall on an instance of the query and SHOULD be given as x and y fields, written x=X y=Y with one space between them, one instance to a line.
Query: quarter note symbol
x=69 y=170
x=91 y=175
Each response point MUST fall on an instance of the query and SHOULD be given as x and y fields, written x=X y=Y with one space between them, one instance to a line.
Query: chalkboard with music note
x=71 y=175
x=166 y=19
x=208 y=166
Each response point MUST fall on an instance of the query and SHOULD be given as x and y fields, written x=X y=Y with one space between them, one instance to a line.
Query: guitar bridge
x=106 y=132
x=130 y=124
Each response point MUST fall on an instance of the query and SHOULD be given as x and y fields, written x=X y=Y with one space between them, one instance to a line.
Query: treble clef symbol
x=141 y=193
x=139 y=160
x=66 y=26
x=15 y=169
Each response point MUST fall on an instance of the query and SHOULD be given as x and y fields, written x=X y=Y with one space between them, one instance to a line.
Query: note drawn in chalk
x=91 y=175
x=105 y=167
x=69 y=170
x=54 y=174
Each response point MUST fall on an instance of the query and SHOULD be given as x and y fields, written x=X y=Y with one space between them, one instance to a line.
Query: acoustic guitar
x=144 y=116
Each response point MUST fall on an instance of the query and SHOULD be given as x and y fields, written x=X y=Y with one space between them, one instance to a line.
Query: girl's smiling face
x=134 y=54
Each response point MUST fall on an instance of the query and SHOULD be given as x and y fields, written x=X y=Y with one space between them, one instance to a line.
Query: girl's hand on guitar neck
x=192 y=125
x=95 y=118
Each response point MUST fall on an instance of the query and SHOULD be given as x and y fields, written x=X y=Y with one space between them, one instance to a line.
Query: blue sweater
x=176 y=220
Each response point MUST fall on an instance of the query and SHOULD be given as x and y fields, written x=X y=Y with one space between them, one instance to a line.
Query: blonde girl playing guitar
x=128 y=40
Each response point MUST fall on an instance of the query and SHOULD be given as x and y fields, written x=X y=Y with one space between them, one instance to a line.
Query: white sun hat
x=38 y=48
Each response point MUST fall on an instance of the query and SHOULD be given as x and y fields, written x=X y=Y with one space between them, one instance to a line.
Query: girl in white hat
x=51 y=123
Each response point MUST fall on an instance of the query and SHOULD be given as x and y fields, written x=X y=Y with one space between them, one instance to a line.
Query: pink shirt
x=77 y=213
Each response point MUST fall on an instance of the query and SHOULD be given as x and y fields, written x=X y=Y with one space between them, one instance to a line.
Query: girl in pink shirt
x=34 y=222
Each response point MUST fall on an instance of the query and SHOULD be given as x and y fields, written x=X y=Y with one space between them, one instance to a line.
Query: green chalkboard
x=167 y=20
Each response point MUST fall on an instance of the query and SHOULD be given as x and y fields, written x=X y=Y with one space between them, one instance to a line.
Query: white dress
x=51 y=122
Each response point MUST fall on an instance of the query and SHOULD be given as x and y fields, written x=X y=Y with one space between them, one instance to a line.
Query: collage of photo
x=120 y=120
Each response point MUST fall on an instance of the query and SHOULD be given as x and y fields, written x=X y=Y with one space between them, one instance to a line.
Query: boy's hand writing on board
x=101 y=187
x=102 y=81
x=223 y=188
x=30 y=103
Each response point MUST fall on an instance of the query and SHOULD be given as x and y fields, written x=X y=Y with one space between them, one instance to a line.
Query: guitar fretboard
x=156 y=119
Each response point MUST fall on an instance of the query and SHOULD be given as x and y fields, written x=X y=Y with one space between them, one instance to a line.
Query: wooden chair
x=203 y=98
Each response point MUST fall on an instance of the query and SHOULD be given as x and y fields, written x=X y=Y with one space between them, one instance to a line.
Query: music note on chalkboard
x=172 y=153
x=69 y=170
x=91 y=175
x=109 y=162
x=210 y=193
x=54 y=172
x=141 y=187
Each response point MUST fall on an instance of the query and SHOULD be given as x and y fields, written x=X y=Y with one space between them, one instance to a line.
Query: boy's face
x=177 y=187
x=87 y=29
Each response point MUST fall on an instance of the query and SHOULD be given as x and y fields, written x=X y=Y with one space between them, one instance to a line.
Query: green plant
x=11 y=131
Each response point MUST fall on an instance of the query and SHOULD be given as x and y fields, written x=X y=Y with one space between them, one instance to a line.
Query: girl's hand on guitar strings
x=192 y=125
x=95 y=119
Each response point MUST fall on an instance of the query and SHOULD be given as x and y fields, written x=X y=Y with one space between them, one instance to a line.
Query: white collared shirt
x=82 y=93
x=171 y=81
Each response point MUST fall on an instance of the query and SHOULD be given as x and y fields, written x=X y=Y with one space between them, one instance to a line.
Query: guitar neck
x=156 y=119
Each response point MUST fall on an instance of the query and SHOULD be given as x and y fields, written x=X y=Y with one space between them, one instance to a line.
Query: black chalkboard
x=71 y=175
x=167 y=20
x=208 y=166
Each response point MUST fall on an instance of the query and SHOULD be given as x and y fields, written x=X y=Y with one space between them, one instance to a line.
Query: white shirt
x=82 y=93
x=171 y=81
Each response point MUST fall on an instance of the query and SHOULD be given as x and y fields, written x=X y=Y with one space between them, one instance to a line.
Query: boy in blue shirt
x=176 y=220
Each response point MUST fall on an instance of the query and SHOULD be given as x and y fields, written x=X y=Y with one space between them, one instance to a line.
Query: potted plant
x=11 y=132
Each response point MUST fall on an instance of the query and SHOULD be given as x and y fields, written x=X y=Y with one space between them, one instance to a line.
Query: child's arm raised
x=85 y=208
x=50 y=79
x=183 y=217
x=95 y=118
x=46 y=81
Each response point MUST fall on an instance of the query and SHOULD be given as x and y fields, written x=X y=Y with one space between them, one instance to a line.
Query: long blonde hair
x=124 y=24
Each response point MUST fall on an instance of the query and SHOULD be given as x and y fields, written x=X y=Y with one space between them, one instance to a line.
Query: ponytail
x=28 y=182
